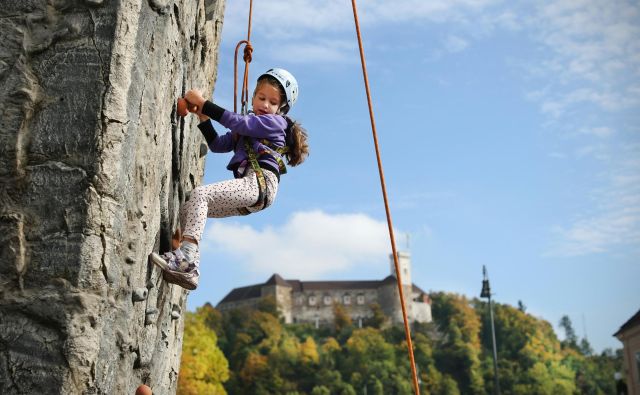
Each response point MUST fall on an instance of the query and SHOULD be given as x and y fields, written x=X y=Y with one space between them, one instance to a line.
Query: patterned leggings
x=223 y=199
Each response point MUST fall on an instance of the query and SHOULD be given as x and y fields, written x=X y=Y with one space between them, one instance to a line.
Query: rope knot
x=248 y=49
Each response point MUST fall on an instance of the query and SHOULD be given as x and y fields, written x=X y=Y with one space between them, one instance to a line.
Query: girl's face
x=266 y=99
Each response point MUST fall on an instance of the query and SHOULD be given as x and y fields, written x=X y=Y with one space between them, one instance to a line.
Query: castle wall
x=421 y=308
x=282 y=296
x=317 y=306
x=390 y=301
x=421 y=312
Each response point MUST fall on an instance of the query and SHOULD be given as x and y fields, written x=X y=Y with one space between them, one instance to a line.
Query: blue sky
x=509 y=136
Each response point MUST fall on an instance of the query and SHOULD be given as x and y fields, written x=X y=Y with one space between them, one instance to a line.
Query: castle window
x=327 y=300
x=312 y=300
x=299 y=300
x=346 y=299
x=360 y=299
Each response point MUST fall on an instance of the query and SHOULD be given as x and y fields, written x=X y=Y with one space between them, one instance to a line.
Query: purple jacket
x=253 y=127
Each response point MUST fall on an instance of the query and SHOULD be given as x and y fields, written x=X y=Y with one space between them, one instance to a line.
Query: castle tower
x=389 y=291
x=404 y=263
x=280 y=290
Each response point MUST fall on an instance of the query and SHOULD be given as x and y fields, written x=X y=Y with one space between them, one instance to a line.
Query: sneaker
x=176 y=269
x=187 y=280
x=172 y=260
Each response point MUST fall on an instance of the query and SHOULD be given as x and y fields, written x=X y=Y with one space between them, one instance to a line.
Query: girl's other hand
x=195 y=97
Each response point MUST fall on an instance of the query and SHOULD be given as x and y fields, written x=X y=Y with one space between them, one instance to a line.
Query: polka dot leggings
x=223 y=199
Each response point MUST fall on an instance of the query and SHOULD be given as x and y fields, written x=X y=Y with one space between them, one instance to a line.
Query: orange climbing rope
x=407 y=331
x=248 y=50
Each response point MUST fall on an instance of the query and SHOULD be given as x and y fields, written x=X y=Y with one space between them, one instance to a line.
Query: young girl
x=259 y=141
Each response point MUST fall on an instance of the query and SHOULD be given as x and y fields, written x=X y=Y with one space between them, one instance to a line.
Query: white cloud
x=600 y=131
x=615 y=221
x=286 y=18
x=593 y=47
x=588 y=75
x=308 y=246
x=455 y=44
x=599 y=233
x=320 y=51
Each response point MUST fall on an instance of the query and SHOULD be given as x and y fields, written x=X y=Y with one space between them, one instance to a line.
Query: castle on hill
x=313 y=301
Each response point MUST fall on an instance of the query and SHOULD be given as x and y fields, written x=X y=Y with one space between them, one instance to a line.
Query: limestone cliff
x=94 y=163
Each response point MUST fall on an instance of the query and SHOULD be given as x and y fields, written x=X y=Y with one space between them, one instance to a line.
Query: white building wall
x=421 y=312
x=317 y=306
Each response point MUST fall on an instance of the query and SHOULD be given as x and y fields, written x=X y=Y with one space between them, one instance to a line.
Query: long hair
x=296 y=135
x=297 y=141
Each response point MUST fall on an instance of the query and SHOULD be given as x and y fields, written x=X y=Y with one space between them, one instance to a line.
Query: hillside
x=258 y=354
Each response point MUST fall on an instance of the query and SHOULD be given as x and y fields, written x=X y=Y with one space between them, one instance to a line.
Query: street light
x=486 y=293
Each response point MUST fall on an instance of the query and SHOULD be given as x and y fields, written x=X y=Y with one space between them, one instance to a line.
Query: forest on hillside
x=251 y=351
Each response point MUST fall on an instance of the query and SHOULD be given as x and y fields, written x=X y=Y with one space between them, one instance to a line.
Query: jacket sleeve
x=216 y=143
x=207 y=130
x=224 y=143
x=258 y=126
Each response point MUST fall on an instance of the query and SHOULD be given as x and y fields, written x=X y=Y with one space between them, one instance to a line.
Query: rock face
x=94 y=163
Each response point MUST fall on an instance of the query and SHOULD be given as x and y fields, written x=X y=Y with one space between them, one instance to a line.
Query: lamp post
x=486 y=293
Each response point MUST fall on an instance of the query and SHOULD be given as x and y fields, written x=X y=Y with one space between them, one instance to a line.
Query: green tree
x=531 y=359
x=521 y=306
x=320 y=390
x=585 y=347
x=378 y=319
x=368 y=354
x=342 y=320
x=376 y=387
x=570 y=338
x=203 y=367
x=459 y=353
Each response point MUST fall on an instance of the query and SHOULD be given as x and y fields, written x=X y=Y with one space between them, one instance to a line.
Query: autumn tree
x=342 y=320
x=378 y=319
x=459 y=354
x=530 y=357
x=203 y=368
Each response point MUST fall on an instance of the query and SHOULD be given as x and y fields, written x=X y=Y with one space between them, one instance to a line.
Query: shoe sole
x=177 y=278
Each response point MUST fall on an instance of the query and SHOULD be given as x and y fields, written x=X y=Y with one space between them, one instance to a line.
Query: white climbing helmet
x=288 y=83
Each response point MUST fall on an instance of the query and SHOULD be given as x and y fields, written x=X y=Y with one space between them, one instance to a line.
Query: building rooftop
x=631 y=322
x=254 y=291
x=248 y=292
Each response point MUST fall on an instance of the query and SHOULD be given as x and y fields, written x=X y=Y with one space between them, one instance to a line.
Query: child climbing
x=259 y=141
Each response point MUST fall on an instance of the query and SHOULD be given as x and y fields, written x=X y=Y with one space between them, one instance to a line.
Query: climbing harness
x=407 y=331
x=276 y=152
